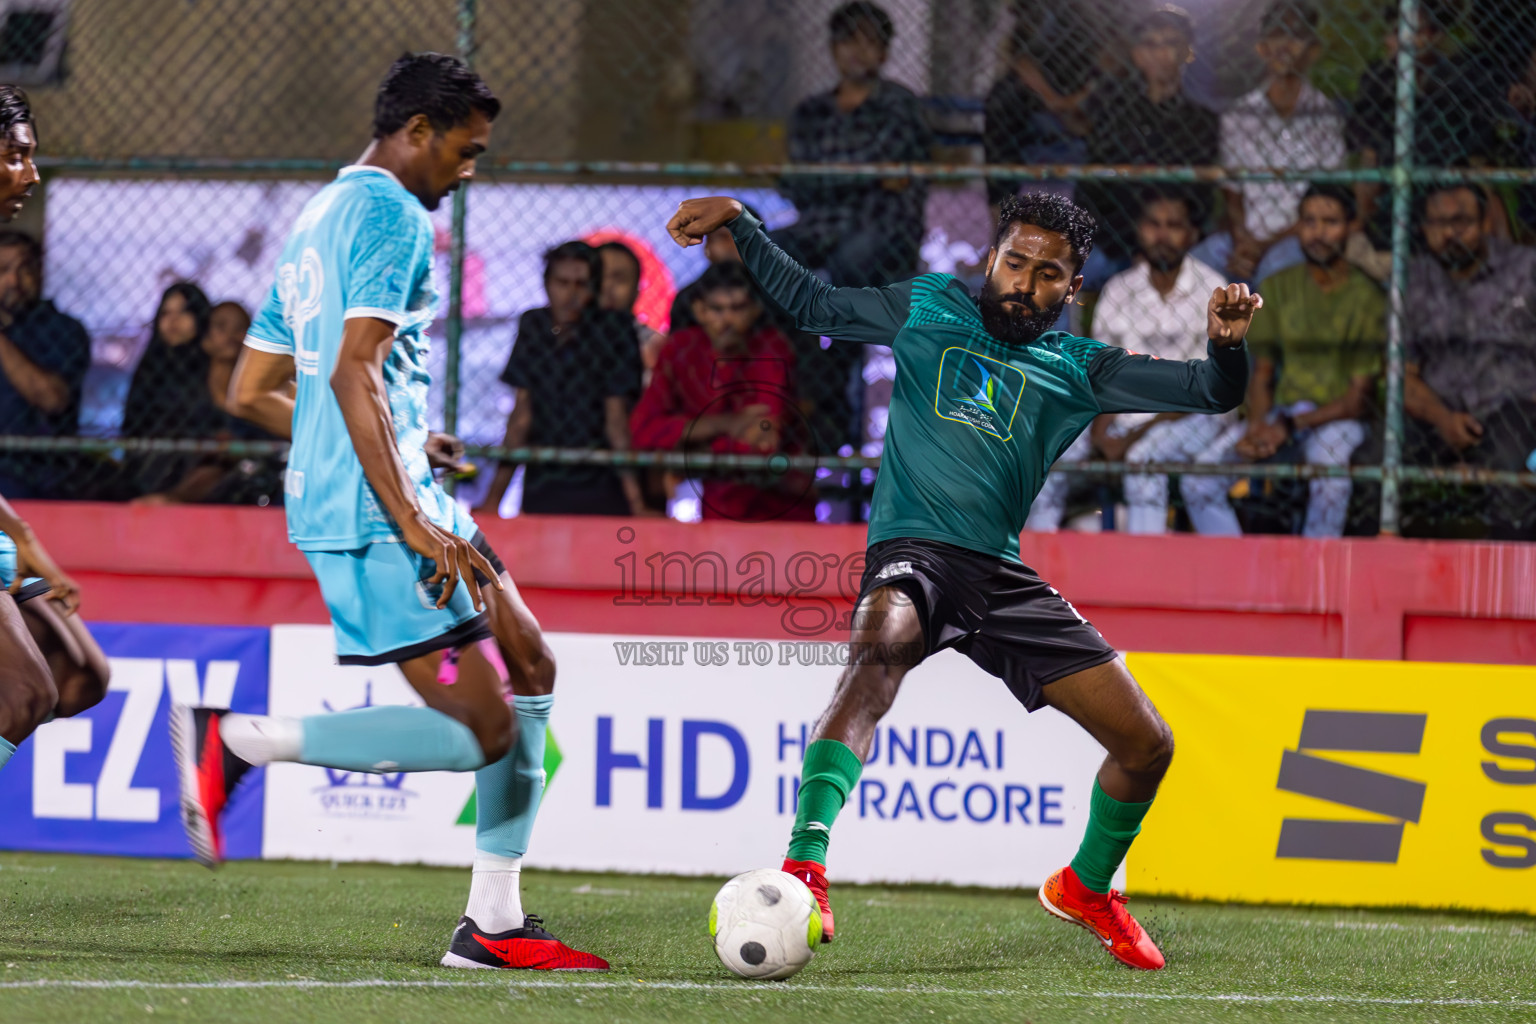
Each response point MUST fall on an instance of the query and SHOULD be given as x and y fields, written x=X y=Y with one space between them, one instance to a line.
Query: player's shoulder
x=929 y=286
x=1080 y=352
x=378 y=198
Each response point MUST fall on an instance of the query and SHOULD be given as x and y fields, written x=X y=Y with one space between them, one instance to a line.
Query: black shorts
x=37 y=588
x=999 y=614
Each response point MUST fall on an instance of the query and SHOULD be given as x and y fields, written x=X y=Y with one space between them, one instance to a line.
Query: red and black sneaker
x=208 y=773
x=814 y=875
x=529 y=947
x=1104 y=914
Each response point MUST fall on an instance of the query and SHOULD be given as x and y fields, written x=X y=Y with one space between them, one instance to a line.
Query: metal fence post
x=1402 y=206
x=454 y=328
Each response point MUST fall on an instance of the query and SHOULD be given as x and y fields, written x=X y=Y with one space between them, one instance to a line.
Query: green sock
x=1112 y=826
x=827 y=776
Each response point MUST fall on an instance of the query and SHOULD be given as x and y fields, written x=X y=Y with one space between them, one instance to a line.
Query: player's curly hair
x=441 y=87
x=15 y=110
x=1051 y=212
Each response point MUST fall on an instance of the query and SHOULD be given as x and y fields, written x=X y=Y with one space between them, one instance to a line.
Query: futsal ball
x=765 y=924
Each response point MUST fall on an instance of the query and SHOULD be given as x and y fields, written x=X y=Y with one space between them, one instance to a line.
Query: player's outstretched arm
x=869 y=315
x=358 y=382
x=261 y=390
x=1131 y=383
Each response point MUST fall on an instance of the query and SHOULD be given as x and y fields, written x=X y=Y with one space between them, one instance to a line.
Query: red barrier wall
x=1367 y=598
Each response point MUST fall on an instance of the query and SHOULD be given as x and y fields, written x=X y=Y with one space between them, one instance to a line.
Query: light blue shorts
x=384 y=612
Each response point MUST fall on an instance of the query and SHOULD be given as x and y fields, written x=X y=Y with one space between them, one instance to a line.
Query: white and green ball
x=765 y=924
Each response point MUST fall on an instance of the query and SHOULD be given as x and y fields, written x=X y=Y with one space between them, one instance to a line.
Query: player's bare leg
x=494 y=932
x=27 y=692
x=886 y=642
x=1106 y=702
x=79 y=669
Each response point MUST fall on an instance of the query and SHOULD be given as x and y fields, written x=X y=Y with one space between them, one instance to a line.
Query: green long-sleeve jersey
x=975 y=423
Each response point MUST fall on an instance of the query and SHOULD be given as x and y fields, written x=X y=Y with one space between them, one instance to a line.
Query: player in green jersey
x=986 y=397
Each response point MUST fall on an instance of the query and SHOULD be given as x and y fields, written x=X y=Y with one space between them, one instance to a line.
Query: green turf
x=902 y=954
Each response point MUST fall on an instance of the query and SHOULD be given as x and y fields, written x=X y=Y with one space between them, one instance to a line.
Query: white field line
x=767 y=988
x=1394 y=926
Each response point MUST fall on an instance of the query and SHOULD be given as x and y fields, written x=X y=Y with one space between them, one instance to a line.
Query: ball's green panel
x=714 y=919
x=813 y=930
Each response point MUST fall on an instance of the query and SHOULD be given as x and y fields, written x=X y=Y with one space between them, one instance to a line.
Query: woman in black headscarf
x=169 y=398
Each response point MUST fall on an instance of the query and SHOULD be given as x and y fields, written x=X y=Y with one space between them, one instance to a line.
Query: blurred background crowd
x=571 y=323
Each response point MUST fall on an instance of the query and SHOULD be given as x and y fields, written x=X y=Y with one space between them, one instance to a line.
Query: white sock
x=495 y=893
x=261 y=739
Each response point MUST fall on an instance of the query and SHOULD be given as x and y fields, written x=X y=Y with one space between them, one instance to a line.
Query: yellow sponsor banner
x=1300 y=780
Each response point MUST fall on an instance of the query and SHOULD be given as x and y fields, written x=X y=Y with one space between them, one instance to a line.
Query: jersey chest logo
x=979 y=391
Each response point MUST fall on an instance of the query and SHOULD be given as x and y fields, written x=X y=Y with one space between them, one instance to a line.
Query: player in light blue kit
x=50 y=667
x=337 y=359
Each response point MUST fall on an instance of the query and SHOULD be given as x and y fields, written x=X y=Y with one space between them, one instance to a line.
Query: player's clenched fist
x=1230 y=313
x=696 y=218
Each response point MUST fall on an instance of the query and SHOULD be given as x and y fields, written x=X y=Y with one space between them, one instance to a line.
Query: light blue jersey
x=7 y=560
x=362 y=247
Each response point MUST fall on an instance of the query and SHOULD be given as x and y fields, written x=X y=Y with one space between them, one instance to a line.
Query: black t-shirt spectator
x=569 y=377
x=59 y=344
x=887 y=127
x=1128 y=128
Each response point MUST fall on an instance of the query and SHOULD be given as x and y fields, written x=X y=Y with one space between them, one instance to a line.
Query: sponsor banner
x=105 y=781
x=682 y=756
x=1343 y=782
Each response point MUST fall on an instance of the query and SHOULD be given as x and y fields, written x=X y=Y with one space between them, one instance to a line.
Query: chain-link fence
x=1365 y=165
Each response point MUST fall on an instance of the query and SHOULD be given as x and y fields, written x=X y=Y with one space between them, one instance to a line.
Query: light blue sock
x=7 y=748
x=390 y=739
x=507 y=793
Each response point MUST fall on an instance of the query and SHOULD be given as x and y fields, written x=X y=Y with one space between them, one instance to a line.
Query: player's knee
x=496 y=734
x=541 y=674
x=873 y=688
x=26 y=702
x=83 y=690
x=1152 y=752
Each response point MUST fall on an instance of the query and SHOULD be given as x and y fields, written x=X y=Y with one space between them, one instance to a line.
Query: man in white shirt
x=1156 y=308
x=1285 y=123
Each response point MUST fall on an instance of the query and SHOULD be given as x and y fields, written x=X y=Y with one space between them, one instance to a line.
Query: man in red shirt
x=727 y=386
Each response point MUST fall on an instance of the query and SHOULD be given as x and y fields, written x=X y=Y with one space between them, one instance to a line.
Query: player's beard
x=1016 y=327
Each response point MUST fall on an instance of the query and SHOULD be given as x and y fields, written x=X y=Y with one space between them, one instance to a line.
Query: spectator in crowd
x=1448 y=129
x=44 y=355
x=1034 y=112
x=227 y=325
x=245 y=480
x=864 y=232
x=1143 y=118
x=1317 y=351
x=823 y=371
x=1285 y=123
x=1156 y=308
x=727 y=386
x=720 y=247
x=621 y=290
x=169 y=397
x=574 y=370
x=1470 y=319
